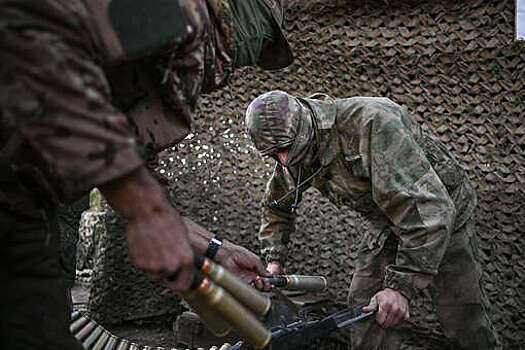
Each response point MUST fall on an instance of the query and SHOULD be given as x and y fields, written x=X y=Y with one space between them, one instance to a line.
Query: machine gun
x=304 y=332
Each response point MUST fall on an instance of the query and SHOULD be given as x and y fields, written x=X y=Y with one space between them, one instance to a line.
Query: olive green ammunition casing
x=101 y=341
x=78 y=324
x=86 y=330
x=246 y=294
x=210 y=318
x=92 y=337
x=134 y=346
x=309 y=283
x=242 y=320
x=225 y=346
x=112 y=343
x=123 y=345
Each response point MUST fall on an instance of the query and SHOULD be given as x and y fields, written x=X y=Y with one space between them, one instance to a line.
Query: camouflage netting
x=455 y=67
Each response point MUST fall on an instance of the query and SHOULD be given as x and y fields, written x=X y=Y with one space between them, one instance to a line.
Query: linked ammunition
x=86 y=330
x=112 y=343
x=225 y=346
x=92 y=337
x=78 y=324
x=123 y=345
x=101 y=341
x=134 y=346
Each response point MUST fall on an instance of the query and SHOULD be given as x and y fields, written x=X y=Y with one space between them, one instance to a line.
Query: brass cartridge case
x=86 y=330
x=111 y=343
x=123 y=345
x=92 y=337
x=242 y=320
x=101 y=341
x=250 y=297
x=78 y=324
x=211 y=318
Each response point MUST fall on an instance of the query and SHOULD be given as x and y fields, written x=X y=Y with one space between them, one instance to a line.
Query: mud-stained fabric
x=376 y=164
x=60 y=134
x=377 y=160
x=462 y=306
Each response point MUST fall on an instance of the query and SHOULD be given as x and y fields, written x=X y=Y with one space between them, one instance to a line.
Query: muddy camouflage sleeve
x=409 y=192
x=277 y=223
x=58 y=123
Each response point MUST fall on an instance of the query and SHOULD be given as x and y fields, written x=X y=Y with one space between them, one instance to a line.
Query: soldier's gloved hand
x=392 y=308
x=157 y=238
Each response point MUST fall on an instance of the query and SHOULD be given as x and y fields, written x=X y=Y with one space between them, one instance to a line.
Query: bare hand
x=158 y=244
x=273 y=268
x=157 y=237
x=393 y=308
x=240 y=261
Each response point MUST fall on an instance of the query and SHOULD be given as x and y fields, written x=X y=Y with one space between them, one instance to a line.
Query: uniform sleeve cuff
x=401 y=284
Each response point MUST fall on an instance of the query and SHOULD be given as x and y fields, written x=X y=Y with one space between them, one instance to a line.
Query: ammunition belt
x=93 y=336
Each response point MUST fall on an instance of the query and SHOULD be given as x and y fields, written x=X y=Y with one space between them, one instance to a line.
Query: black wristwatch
x=213 y=247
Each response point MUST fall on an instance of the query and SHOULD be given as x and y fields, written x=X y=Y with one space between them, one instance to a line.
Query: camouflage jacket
x=66 y=65
x=378 y=161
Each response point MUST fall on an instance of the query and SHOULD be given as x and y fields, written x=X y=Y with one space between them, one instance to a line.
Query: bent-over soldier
x=369 y=154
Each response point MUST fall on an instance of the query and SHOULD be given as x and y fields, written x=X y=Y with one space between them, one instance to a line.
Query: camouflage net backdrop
x=455 y=66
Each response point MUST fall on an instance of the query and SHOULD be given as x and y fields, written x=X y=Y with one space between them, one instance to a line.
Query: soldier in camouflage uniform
x=63 y=63
x=367 y=153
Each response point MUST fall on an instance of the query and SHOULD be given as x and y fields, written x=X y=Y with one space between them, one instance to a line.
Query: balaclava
x=276 y=121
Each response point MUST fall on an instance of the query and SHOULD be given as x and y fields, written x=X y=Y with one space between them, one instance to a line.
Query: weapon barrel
x=246 y=294
x=299 y=282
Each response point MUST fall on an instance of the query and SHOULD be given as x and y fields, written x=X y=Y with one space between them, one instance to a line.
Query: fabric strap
x=253 y=22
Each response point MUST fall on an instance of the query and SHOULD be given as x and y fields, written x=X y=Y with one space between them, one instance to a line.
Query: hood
x=276 y=121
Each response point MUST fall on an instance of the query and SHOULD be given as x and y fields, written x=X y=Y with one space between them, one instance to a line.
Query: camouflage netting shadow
x=455 y=67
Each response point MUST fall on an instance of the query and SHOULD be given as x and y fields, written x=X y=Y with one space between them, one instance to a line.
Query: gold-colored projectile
x=211 y=318
x=244 y=293
x=242 y=320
